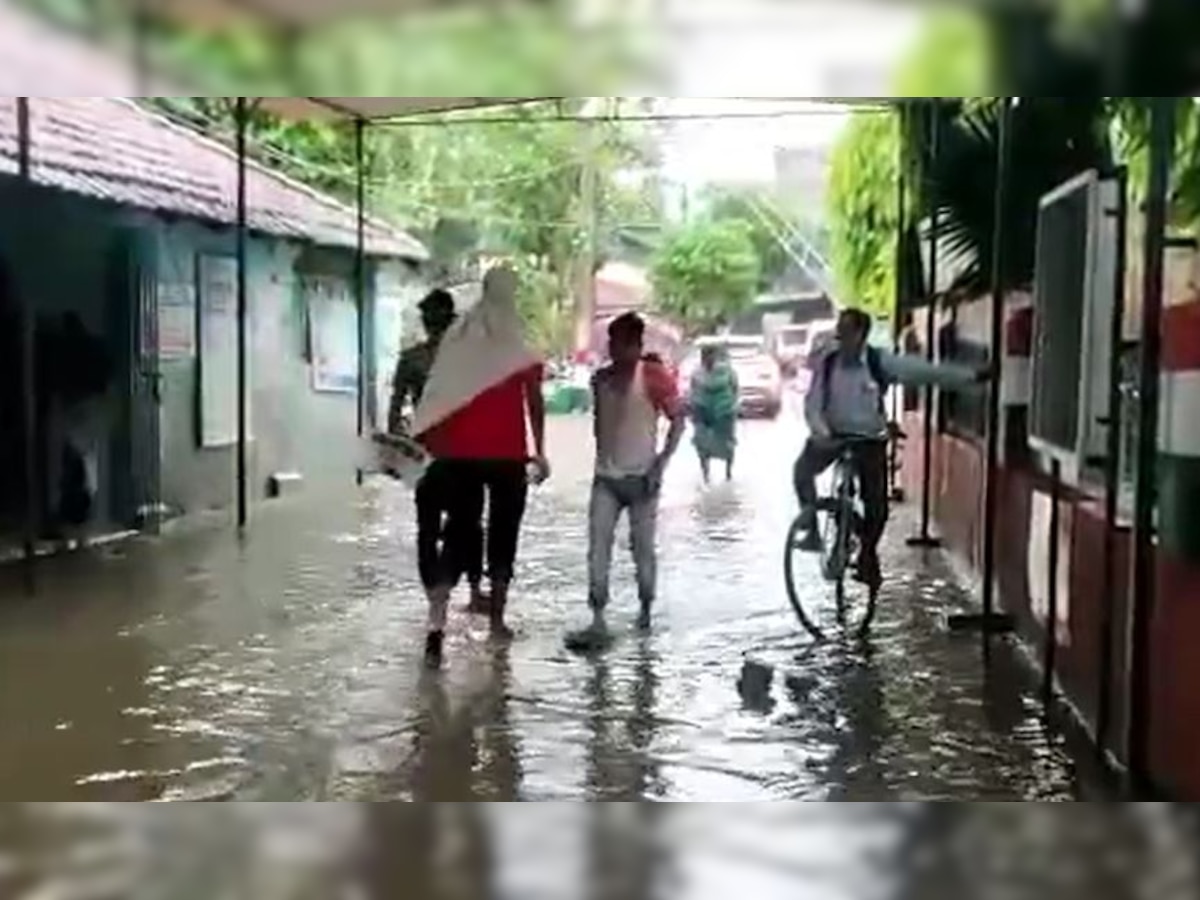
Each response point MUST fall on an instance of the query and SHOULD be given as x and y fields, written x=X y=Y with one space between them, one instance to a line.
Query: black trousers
x=450 y=505
x=871 y=464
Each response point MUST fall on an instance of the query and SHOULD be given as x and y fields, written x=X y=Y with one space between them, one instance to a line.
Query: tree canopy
x=468 y=183
x=706 y=273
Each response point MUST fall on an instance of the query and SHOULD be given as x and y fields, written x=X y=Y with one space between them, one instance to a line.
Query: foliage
x=1053 y=140
x=706 y=273
x=1131 y=130
x=951 y=58
x=768 y=228
x=863 y=213
x=465 y=183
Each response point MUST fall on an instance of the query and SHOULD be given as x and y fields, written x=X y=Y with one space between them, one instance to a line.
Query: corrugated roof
x=112 y=149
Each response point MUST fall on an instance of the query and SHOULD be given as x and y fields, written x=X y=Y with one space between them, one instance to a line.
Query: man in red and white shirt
x=479 y=408
x=632 y=395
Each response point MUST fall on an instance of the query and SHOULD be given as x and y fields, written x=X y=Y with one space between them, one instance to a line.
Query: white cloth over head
x=483 y=348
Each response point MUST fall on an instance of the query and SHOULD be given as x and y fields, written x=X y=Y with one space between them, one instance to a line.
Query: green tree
x=769 y=229
x=706 y=273
x=465 y=183
x=863 y=214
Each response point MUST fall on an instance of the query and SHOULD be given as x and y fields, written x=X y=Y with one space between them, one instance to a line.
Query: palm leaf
x=1053 y=140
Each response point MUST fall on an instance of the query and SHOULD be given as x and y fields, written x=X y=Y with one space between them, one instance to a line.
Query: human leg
x=871 y=461
x=604 y=511
x=814 y=460
x=508 y=492
x=462 y=499
x=430 y=508
x=475 y=552
x=643 y=540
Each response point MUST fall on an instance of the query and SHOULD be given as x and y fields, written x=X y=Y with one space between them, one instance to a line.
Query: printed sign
x=217 y=276
x=176 y=321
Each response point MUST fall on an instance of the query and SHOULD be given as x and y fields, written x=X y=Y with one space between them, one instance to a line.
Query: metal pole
x=141 y=49
x=991 y=488
x=29 y=406
x=242 y=117
x=925 y=538
x=360 y=274
x=897 y=492
x=1162 y=145
x=1112 y=467
x=1050 y=658
x=585 y=310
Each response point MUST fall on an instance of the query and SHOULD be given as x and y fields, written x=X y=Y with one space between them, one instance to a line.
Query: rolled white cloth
x=483 y=348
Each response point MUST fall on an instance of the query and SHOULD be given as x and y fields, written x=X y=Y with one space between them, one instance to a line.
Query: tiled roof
x=113 y=149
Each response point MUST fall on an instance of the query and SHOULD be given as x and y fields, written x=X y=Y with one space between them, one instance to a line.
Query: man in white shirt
x=632 y=396
x=846 y=403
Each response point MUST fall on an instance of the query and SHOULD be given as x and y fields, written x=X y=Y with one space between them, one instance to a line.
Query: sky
x=775 y=52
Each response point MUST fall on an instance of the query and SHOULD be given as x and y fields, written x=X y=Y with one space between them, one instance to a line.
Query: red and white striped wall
x=1179 y=432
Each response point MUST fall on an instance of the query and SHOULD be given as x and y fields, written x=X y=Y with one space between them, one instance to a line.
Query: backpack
x=874 y=366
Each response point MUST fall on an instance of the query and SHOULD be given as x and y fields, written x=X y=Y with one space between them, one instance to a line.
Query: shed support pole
x=925 y=538
x=242 y=122
x=992 y=623
x=1140 y=694
x=897 y=490
x=1112 y=468
x=360 y=276
x=29 y=404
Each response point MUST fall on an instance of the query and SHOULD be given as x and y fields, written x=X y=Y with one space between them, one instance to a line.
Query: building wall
x=295 y=429
x=1022 y=576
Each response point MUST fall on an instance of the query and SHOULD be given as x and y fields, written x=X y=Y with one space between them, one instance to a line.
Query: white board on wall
x=216 y=278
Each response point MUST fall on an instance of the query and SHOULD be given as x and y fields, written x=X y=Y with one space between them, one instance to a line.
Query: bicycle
x=840 y=518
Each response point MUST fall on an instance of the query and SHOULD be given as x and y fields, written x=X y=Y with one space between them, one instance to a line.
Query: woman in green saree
x=714 y=402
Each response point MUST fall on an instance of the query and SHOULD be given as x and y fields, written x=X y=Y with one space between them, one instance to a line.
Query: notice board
x=216 y=278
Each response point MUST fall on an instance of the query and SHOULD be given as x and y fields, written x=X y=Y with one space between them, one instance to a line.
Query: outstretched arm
x=917 y=371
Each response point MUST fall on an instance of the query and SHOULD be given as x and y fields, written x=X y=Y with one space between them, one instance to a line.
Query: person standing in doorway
x=408 y=386
x=481 y=405
x=632 y=395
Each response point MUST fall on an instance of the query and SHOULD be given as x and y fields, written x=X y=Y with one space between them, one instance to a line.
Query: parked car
x=760 y=381
x=790 y=347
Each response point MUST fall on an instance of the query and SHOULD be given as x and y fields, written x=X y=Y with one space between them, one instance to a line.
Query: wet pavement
x=286 y=667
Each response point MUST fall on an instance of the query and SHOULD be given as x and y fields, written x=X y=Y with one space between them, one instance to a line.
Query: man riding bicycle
x=845 y=409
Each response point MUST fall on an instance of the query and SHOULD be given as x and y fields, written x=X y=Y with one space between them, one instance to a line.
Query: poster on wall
x=176 y=321
x=333 y=334
x=217 y=281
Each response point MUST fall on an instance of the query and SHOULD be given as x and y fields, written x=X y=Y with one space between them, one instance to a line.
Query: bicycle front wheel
x=796 y=560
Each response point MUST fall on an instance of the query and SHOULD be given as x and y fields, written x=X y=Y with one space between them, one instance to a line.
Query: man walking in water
x=632 y=395
x=408 y=384
x=482 y=401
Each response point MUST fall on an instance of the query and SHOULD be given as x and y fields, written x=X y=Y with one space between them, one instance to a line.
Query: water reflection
x=451 y=851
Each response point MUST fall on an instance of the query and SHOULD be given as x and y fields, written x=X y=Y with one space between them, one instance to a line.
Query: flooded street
x=287 y=667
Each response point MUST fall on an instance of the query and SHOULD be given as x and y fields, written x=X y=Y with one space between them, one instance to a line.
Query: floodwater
x=286 y=667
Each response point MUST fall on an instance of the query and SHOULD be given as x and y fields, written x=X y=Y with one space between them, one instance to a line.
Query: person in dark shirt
x=408 y=385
